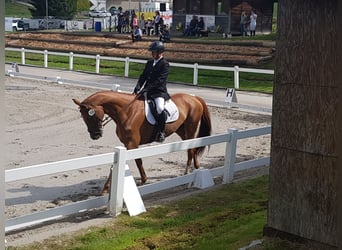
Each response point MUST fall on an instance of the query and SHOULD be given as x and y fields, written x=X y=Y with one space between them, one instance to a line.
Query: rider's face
x=155 y=55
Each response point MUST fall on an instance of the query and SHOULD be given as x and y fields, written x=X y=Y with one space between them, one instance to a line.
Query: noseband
x=106 y=120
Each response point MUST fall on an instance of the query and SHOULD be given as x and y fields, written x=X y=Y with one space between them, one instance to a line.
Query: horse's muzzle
x=96 y=135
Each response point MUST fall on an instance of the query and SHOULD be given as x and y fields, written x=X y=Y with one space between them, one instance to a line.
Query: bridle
x=92 y=114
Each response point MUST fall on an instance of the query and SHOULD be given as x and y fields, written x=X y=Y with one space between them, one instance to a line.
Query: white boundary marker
x=131 y=195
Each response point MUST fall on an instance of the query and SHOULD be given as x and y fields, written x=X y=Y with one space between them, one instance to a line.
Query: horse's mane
x=106 y=95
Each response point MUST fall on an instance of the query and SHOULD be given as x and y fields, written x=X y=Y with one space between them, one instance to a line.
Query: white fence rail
x=127 y=60
x=119 y=158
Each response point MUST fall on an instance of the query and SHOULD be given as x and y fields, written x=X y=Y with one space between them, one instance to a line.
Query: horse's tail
x=205 y=126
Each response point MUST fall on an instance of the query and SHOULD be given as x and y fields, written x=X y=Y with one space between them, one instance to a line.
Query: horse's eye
x=91 y=112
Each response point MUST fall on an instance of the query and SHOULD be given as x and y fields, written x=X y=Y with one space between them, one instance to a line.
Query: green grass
x=228 y=217
x=208 y=78
x=217 y=37
x=16 y=10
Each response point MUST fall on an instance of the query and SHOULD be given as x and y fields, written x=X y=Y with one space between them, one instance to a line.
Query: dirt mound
x=179 y=50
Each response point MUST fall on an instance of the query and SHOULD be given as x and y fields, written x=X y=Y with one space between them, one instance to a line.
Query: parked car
x=18 y=25
x=99 y=13
x=114 y=11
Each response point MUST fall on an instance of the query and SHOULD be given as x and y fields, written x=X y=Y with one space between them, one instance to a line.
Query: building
x=224 y=16
x=97 y=4
x=125 y=5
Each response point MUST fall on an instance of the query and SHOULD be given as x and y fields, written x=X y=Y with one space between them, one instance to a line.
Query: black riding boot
x=161 y=118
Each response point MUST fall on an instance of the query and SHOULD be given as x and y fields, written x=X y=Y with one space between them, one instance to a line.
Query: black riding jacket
x=155 y=78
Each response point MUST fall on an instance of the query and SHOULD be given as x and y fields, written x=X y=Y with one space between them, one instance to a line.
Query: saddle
x=170 y=107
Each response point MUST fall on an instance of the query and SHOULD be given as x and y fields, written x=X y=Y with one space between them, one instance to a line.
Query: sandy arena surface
x=44 y=125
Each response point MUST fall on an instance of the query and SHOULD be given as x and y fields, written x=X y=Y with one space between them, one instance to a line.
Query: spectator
x=191 y=29
x=165 y=34
x=149 y=26
x=132 y=17
x=121 y=22
x=161 y=24
x=156 y=23
x=136 y=34
x=134 y=21
x=125 y=26
x=142 y=23
x=252 y=24
x=200 y=27
x=243 y=22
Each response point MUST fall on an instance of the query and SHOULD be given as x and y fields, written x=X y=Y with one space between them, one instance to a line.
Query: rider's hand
x=136 y=90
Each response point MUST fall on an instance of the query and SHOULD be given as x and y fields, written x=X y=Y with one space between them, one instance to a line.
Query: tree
x=58 y=8
x=303 y=172
x=82 y=5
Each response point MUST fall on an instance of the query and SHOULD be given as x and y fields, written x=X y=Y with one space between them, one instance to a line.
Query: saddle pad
x=171 y=108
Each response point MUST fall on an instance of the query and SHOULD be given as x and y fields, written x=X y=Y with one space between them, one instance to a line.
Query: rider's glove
x=136 y=90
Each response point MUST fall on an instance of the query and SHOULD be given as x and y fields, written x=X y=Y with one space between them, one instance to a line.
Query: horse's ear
x=77 y=102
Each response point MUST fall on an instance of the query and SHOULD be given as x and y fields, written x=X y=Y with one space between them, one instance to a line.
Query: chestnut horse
x=133 y=129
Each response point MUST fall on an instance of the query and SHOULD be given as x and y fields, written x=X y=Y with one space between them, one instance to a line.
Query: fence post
x=236 y=77
x=23 y=56
x=45 y=58
x=115 y=202
x=126 y=66
x=229 y=160
x=195 y=82
x=97 y=69
x=71 y=61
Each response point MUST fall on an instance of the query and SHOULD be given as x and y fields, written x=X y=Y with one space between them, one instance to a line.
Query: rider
x=153 y=82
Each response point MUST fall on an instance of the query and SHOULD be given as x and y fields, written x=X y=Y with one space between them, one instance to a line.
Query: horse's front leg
x=106 y=186
x=143 y=176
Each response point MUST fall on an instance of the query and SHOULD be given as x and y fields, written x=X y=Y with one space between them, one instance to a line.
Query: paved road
x=251 y=101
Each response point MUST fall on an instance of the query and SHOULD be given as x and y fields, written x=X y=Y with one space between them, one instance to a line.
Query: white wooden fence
x=127 y=60
x=118 y=159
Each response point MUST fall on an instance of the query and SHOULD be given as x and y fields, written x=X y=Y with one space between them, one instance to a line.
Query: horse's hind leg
x=196 y=160
x=192 y=156
x=188 y=163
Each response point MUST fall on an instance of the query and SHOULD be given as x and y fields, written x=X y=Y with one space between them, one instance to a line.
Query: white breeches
x=160 y=104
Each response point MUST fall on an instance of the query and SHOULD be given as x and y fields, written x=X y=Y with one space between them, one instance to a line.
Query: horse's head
x=93 y=117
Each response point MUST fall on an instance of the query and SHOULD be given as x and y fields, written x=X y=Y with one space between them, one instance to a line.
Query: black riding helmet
x=156 y=46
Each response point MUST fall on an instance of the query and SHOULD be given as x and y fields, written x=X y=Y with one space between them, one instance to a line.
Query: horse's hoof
x=104 y=192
